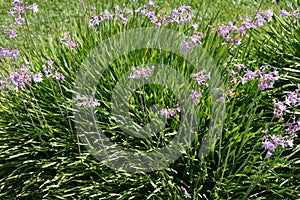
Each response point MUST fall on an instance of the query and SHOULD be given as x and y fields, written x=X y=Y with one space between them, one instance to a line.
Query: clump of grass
x=43 y=157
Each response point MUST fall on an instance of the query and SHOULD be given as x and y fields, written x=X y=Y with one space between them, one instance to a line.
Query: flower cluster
x=186 y=194
x=100 y=18
x=201 y=77
x=265 y=80
x=225 y=93
x=279 y=109
x=147 y=11
x=144 y=72
x=292 y=14
x=106 y=15
x=271 y=142
x=232 y=33
x=18 y=8
x=22 y=77
x=121 y=14
x=49 y=72
x=170 y=112
x=234 y=73
x=196 y=95
x=293 y=128
x=10 y=53
x=291 y=100
x=192 y=41
x=68 y=41
x=181 y=15
x=87 y=101
x=18 y=79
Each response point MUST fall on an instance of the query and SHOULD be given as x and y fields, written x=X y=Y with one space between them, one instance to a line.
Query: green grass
x=40 y=157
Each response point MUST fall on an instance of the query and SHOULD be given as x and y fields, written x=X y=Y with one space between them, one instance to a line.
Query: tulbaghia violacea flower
x=201 y=77
x=68 y=41
x=234 y=73
x=238 y=67
x=11 y=33
x=196 y=95
x=196 y=38
x=292 y=99
x=9 y=53
x=232 y=32
x=37 y=77
x=186 y=194
x=20 y=8
x=158 y=25
x=268 y=14
x=271 y=142
x=170 y=112
x=49 y=71
x=151 y=3
x=224 y=93
x=48 y=68
x=293 y=128
x=185 y=46
x=181 y=15
x=11 y=13
x=33 y=7
x=13 y=53
x=20 y=78
x=123 y=19
x=58 y=76
x=86 y=101
x=195 y=26
x=242 y=30
x=250 y=75
x=19 y=20
x=106 y=15
x=285 y=13
x=260 y=22
x=294 y=14
x=50 y=63
x=279 y=109
x=138 y=73
x=265 y=80
x=248 y=25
